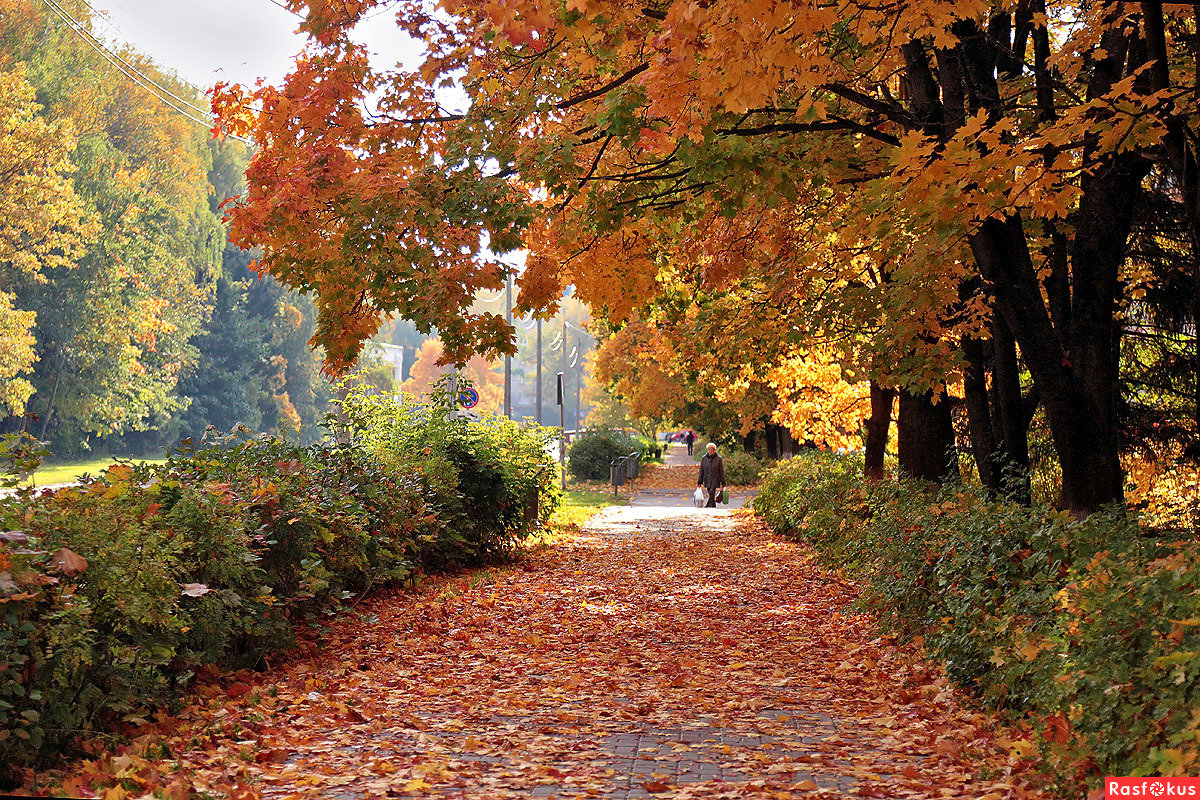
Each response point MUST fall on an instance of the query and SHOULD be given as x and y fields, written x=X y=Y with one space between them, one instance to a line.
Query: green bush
x=1087 y=630
x=479 y=476
x=114 y=592
x=741 y=468
x=591 y=454
x=650 y=449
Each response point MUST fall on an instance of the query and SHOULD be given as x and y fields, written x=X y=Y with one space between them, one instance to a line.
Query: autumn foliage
x=428 y=369
x=1086 y=632
x=942 y=191
x=117 y=591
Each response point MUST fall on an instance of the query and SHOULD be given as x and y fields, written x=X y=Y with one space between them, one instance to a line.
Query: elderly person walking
x=712 y=475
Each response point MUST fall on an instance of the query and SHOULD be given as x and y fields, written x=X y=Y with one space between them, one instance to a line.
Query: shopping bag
x=698 y=497
x=724 y=496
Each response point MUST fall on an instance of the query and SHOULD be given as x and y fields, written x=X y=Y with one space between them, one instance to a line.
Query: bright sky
x=238 y=41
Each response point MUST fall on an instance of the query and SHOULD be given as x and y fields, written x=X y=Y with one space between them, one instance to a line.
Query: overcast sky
x=239 y=41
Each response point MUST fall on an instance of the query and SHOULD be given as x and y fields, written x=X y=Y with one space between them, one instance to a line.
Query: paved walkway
x=661 y=653
x=677 y=493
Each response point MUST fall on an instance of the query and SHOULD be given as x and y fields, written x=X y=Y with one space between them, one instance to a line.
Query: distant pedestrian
x=690 y=438
x=712 y=475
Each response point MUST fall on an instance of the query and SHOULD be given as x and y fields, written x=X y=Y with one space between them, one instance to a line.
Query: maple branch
x=648 y=201
x=646 y=173
x=613 y=84
x=892 y=111
x=808 y=127
x=427 y=120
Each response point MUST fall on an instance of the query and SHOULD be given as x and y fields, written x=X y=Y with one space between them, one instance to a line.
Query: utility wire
x=285 y=8
x=204 y=112
x=117 y=60
x=135 y=74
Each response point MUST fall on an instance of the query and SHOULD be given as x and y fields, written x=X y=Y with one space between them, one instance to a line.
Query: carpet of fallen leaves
x=660 y=476
x=657 y=653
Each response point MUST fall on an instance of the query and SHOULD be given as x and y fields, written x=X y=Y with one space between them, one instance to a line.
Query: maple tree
x=992 y=155
x=481 y=375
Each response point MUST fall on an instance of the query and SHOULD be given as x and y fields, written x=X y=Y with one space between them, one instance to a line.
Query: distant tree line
x=127 y=320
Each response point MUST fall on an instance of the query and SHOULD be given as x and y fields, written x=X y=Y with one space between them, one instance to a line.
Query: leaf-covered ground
x=658 y=653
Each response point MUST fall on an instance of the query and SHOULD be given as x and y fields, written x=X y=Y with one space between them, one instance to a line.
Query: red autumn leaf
x=1058 y=728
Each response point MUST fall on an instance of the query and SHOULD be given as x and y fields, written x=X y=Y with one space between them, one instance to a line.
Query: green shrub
x=590 y=455
x=114 y=592
x=650 y=449
x=1086 y=629
x=479 y=476
x=741 y=468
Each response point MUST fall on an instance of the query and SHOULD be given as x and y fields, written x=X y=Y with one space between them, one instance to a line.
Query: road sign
x=468 y=398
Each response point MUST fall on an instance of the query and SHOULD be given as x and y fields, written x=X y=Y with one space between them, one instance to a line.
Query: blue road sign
x=468 y=398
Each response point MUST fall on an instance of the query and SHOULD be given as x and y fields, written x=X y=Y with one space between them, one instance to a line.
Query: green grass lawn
x=68 y=471
x=580 y=505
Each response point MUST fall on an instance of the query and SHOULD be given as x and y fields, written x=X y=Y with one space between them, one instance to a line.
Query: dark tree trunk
x=1180 y=157
x=878 y=426
x=772 y=442
x=926 y=438
x=1084 y=441
x=1070 y=346
x=979 y=415
x=1010 y=420
x=748 y=442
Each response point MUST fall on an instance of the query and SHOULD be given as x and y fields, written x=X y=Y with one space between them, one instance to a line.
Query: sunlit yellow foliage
x=817 y=403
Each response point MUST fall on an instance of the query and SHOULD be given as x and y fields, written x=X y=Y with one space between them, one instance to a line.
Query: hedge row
x=1084 y=631
x=114 y=592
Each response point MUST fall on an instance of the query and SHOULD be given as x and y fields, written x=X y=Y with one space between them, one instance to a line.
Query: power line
x=134 y=74
x=285 y=8
x=203 y=111
x=116 y=59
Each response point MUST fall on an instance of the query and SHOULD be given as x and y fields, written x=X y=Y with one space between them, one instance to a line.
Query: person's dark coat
x=712 y=472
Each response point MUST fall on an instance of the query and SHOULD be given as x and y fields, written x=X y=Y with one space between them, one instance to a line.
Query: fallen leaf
x=68 y=562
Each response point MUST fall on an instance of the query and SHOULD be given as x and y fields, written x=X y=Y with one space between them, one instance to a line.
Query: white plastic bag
x=698 y=497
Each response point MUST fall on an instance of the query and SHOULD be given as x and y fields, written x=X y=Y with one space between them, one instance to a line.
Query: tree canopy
x=125 y=319
x=941 y=191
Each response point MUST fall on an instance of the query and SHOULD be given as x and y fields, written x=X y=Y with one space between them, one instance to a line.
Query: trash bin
x=631 y=465
x=617 y=471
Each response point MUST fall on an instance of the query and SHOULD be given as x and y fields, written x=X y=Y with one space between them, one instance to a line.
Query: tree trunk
x=1010 y=420
x=979 y=415
x=772 y=442
x=1180 y=157
x=748 y=442
x=1074 y=366
x=926 y=438
x=1084 y=441
x=53 y=398
x=878 y=426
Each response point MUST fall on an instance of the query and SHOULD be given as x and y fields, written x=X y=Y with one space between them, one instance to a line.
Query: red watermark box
x=1152 y=788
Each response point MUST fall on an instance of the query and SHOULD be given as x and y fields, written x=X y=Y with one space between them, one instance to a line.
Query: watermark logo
x=1152 y=787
